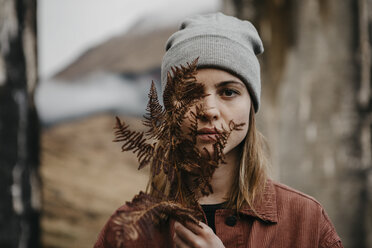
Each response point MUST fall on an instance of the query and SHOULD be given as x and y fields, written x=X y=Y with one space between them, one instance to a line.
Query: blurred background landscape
x=85 y=176
x=72 y=65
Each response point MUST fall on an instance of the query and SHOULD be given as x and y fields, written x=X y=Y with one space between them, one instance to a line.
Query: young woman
x=246 y=208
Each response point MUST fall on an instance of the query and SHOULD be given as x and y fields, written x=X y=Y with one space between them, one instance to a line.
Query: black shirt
x=210 y=210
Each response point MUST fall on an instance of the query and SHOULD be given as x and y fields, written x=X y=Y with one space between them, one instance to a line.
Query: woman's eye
x=229 y=92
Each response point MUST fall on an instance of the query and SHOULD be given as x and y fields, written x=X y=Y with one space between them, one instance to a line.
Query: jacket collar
x=265 y=207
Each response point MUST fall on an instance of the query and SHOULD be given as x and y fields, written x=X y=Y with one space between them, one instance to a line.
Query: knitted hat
x=221 y=42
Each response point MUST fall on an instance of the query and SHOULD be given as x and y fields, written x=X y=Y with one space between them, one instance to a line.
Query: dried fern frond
x=133 y=140
x=208 y=163
x=173 y=153
x=154 y=118
x=180 y=93
x=182 y=88
x=147 y=213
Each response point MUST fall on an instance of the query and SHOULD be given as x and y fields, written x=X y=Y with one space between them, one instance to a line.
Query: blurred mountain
x=114 y=76
x=132 y=53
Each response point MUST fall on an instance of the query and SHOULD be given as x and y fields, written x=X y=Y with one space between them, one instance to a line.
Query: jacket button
x=231 y=220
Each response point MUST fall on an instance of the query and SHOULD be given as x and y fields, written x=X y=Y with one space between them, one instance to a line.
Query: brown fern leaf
x=159 y=159
x=174 y=153
x=193 y=130
x=133 y=140
x=181 y=92
x=182 y=88
x=201 y=183
x=222 y=140
x=147 y=213
x=154 y=118
x=209 y=163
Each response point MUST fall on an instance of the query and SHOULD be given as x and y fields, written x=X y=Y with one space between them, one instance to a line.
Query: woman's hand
x=194 y=236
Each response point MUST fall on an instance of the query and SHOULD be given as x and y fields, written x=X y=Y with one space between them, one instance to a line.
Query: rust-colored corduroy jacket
x=286 y=218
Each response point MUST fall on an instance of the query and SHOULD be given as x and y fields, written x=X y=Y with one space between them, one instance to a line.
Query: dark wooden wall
x=316 y=109
x=19 y=135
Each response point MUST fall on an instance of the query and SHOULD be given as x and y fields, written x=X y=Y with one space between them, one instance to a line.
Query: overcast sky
x=66 y=28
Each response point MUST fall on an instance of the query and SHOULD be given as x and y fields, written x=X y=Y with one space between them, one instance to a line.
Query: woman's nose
x=210 y=110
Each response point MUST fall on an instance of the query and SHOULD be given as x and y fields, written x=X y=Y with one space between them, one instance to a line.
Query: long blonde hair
x=251 y=172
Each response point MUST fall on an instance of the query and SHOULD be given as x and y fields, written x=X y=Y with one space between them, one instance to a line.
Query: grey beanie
x=220 y=41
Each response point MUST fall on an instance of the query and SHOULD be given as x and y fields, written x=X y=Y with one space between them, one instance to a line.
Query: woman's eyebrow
x=224 y=83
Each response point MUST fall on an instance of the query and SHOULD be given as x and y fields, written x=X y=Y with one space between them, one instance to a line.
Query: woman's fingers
x=197 y=229
x=183 y=233
x=179 y=242
x=193 y=235
x=204 y=227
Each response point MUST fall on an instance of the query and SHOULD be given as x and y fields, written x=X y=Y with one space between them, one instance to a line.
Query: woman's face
x=227 y=100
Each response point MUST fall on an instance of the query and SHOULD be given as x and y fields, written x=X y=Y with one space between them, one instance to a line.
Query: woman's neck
x=222 y=179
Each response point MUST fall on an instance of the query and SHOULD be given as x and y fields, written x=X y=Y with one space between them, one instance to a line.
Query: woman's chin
x=207 y=151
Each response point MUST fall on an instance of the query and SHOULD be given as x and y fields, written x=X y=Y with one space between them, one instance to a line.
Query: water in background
x=58 y=101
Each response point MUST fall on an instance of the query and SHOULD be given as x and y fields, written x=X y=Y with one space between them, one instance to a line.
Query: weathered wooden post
x=317 y=111
x=19 y=129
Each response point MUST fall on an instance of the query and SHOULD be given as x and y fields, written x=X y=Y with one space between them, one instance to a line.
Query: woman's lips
x=207 y=134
